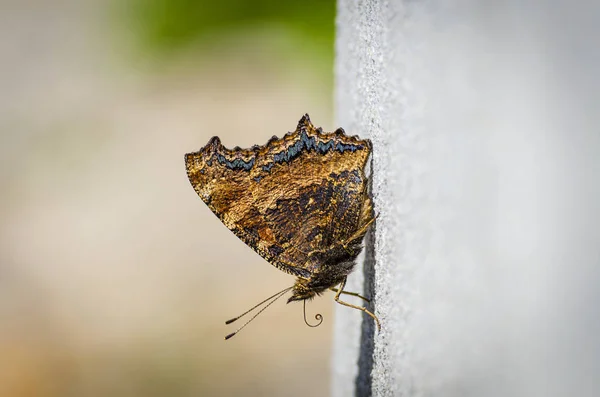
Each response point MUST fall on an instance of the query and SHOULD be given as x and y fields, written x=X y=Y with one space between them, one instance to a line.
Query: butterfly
x=300 y=201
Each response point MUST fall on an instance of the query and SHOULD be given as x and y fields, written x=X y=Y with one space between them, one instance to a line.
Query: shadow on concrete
x=363 y=379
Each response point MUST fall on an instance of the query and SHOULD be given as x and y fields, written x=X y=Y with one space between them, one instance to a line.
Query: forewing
x=283 y=199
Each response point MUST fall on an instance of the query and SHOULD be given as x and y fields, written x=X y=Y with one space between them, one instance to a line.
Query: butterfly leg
x=363 y=309
x=363 y=230
x=351 y=294
x=359 y=234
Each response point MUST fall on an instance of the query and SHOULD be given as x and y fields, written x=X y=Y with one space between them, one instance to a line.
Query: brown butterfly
x=301 y=202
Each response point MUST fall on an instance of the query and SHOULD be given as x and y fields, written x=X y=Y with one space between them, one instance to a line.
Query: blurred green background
x=167 y=26
x=115 y=278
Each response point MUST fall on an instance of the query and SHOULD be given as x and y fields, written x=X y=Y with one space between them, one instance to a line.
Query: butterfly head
x=301 y=291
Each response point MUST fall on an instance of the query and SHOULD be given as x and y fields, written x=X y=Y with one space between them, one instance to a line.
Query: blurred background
x=115 y=278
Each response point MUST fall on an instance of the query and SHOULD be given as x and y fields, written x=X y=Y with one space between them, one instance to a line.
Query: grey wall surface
x=484 y=263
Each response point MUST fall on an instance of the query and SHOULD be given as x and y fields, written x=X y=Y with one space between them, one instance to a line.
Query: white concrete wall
x=485 y=262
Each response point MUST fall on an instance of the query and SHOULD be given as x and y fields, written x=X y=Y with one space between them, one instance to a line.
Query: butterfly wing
x=294 y=195
x=321 y=214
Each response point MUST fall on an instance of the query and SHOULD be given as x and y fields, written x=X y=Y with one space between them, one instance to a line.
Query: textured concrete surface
x=484 y=264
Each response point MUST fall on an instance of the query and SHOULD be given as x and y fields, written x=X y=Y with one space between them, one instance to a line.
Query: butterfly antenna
x=318 y=317
x=274 y=299
x=257 y=305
